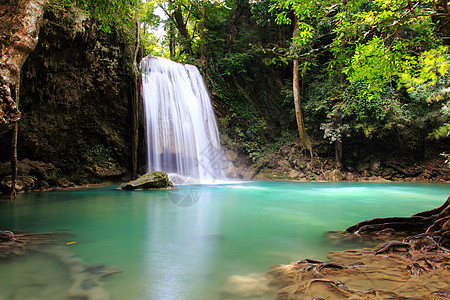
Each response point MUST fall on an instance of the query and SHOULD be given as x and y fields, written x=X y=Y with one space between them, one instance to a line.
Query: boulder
x=152 y=180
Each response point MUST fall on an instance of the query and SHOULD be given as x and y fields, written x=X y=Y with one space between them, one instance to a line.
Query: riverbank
x=285 y=165
x=290 y=162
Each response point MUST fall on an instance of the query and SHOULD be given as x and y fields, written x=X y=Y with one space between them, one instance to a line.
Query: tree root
x=392 y=246
x=409 y=268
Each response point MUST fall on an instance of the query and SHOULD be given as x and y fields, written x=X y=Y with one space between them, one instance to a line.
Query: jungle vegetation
x=371 y=72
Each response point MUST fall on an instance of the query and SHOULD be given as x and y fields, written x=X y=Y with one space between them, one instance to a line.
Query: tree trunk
x=304 y=137
x=135 y=105
x=12 y=193
x=182 y=30
x=19 y=28
x=338 y=144
x=338 y=152
x=171 y=41
x=442 y=19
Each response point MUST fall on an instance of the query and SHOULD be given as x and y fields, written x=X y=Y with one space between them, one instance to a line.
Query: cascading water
x=182 y=134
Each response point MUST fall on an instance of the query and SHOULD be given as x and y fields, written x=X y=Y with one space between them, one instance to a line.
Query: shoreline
x=111 y=183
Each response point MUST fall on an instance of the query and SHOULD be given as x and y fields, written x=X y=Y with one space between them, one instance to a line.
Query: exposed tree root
x=415 y=267
x=430 y=221
x=392 y=246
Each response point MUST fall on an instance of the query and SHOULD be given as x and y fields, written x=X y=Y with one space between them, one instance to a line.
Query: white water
x=182 y=134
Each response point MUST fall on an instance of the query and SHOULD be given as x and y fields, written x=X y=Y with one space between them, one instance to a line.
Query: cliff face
x=75 y=97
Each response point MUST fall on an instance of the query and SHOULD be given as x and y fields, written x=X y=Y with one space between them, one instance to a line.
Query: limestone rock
x=152 y=180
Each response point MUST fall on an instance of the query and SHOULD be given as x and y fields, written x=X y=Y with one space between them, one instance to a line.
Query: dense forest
x=327 y=90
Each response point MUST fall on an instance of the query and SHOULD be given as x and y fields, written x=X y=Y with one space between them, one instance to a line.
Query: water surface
x=168 y=251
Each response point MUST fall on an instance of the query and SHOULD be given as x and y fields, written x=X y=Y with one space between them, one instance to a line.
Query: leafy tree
x=380 y=42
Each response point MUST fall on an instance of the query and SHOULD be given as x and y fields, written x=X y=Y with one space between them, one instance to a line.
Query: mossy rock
x=152 y=180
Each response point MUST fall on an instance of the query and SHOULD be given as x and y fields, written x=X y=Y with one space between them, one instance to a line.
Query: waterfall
x=182 y=134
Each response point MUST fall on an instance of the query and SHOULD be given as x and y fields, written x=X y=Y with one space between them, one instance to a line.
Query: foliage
x=444 y=130
x=334 y=131
x=100 y=155
x=251 y=139
x=344 y=112
x=111 y=13
x=237 y=63
x=375 y=41
x=447 y=158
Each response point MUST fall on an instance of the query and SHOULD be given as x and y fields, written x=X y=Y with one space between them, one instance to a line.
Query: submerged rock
x=152 y=180
x=249 y=286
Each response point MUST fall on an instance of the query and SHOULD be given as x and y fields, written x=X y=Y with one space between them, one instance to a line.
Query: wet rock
x=152 y=180
x=251 y=285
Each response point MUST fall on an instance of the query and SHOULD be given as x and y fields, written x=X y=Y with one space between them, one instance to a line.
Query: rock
x=231 y=155
x=152 y=180
x=334 y=175
x=365 y=173
x=351 y=176
x=284 y=163
x=229 y=160
x=375 y=164
x=262 y=176
x=31 y=174
x=388 y=172
x=107 y=170
x=23 y=183
x=248 y=173
x=293 y=174
x=361 y=167
x=252 y=285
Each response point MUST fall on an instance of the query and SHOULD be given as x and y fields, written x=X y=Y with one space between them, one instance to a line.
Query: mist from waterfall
x=182 y=135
